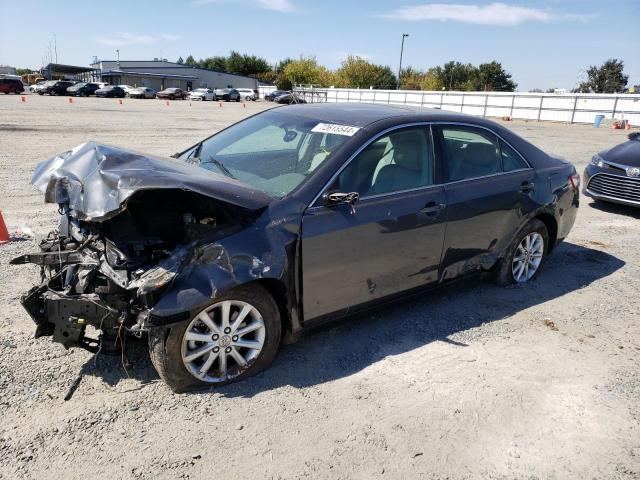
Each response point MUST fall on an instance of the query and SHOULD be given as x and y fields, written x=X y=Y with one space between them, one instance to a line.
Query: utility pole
x=118 y=58
x=404 y=35
x=55 y=46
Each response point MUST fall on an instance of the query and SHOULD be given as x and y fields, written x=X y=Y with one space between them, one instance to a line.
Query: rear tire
x=508 y=268
x=166 y=348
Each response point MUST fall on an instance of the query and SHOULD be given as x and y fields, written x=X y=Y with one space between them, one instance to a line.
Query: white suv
x=246 y=94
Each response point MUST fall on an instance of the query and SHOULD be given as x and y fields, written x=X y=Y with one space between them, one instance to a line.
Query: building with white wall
x=160 y=74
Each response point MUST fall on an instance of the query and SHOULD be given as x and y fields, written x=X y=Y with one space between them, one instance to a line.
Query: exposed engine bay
x=109 y=274
x=128 y=224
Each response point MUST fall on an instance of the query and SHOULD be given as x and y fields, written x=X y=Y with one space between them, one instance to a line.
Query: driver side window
x=400 y=160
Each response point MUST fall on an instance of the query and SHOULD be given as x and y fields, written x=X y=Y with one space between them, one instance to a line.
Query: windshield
x=274 y=151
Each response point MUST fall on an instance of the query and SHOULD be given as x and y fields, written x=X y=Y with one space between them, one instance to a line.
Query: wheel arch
x=279 y=292
x=552 y=227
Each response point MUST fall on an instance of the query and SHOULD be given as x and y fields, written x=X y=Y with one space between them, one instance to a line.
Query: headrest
x=408 y=150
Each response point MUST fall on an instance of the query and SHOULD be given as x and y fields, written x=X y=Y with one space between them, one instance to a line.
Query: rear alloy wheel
x=528 y=257
x=525 y=255
x=233 y=338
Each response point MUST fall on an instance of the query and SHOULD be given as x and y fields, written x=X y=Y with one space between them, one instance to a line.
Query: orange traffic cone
x=244 y=105
x=70 y=100
x=167 y=103
x=120 y=101
x=23 y=98
x=220 y=105
x=4 y=233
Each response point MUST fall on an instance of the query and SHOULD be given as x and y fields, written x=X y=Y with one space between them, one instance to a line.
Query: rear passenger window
x=471 y=152
x=510 y=159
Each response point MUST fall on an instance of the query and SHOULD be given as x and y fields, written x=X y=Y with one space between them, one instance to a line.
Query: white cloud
x=123 y=39
x=491 y=14
x=277 y=5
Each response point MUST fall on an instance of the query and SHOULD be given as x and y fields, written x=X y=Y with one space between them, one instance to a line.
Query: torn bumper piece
x=59 y=310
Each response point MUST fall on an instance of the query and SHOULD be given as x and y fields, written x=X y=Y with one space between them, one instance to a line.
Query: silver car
x=142 y=92
x=247 y=94
x=203 y=94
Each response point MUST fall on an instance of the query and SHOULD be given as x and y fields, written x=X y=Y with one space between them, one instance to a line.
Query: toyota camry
x=614 y=174
x=291 y=218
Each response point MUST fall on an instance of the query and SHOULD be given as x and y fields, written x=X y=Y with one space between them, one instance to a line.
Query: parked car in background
x=127 y=88
x=203 y=94
x=290 y=98
x=353 y=204
x=39 y=84
x=83 y=89
x=142 y=92
x=270 y=97
x=56 y=87
x=227 y=94
x=246 y=94
x=11 y=85
x=172 y=94
x=41 y=88
x=614 y=174
x=110 y=91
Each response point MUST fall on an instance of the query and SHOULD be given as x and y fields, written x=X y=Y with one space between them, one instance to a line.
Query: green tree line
x=357 y=72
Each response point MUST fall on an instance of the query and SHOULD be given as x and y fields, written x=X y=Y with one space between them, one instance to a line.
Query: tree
x=491 y=77
x=608 y=78
x=214 y=63
x=180 y=60
x=411 y=79
x=246 y=64
x=356 y=72
x=24 y=71
x=431 y=80
x=307 y=71
x=191 y=61
x=457 y=76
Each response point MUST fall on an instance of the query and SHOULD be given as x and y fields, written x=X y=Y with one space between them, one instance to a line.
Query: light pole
x=404 y=35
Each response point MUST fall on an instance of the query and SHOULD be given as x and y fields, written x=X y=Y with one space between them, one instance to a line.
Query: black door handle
x=527 y=187
x=431 y=208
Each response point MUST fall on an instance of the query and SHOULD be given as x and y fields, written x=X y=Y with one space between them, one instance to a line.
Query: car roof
x=363 y=114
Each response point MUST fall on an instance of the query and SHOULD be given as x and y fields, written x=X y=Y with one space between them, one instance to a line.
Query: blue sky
x=543 y=43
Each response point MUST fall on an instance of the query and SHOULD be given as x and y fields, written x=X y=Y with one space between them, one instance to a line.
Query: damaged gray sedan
x=293 y=217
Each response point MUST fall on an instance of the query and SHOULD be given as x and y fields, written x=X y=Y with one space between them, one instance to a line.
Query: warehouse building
x=160 y=74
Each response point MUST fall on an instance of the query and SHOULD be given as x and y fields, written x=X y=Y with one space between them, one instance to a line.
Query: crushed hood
x=97 y=179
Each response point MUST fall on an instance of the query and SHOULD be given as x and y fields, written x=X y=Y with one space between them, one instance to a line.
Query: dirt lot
x=475 y=381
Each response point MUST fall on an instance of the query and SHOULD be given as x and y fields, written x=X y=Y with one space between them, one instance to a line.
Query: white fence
x=570 y=107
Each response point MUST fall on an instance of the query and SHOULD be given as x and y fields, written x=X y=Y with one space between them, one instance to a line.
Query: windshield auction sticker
x=345 y=130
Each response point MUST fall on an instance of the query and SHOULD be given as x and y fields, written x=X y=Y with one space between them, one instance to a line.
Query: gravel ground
x=473 y=381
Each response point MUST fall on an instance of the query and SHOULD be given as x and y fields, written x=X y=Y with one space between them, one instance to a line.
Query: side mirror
x=634 y=136
x=337 y=198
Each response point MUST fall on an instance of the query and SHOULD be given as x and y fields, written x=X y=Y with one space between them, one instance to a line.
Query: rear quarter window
x=511 y=160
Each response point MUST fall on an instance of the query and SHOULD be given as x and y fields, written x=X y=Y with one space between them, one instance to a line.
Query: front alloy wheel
x=223 y=340
x=235 y=337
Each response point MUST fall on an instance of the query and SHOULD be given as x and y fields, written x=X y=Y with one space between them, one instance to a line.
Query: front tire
x=235 y=337
x=525 y=256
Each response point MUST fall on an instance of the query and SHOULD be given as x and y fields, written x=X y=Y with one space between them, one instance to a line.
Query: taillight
x=575 y=181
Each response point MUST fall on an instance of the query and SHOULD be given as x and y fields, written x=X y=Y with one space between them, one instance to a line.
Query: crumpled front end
x=125 y=234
